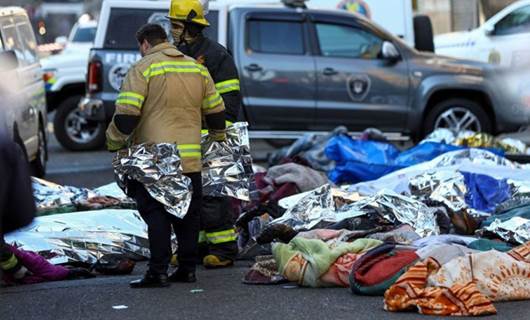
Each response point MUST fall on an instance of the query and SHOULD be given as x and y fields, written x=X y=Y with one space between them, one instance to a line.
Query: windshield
x=124 y=22
x=84 y=35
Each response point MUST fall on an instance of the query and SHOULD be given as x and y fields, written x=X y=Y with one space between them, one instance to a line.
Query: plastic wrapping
x=227 y=166
x=327 y=204
x=515 y=230
x=315 y=207
x=84 y=237
x=477 y=140
x=51 y=198
x=358 y=160
x=158 y=168
x=445 y=187
x=400 y=209
x=54 y=198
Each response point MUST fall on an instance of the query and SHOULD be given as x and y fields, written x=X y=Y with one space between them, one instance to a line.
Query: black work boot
x=151 y=280
x=183 y=276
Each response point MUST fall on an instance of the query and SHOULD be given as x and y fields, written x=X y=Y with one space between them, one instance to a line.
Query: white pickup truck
x=503 y=40
x=65 y=76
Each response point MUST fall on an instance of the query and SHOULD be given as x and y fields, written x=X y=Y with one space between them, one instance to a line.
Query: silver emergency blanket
x=515 y=230
x=54 y=198
x=227 y=166
x=321 y=205
x=399 y=209
x=158 y=168
x=446 y=187
x=468 y=160
x=474 y=139
x=315 y=207
x=84 y=237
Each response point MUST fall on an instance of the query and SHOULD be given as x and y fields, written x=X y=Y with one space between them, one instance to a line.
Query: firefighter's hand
x=114 y=146
x=218 y=135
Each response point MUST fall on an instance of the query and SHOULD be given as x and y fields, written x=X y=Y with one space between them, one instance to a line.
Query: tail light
x=94 y=77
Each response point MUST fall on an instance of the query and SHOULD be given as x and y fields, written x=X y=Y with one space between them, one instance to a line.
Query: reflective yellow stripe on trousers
x=189 y=150
x=221 y=236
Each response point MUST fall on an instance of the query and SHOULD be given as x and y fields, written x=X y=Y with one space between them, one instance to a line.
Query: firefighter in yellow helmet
x=218 y=236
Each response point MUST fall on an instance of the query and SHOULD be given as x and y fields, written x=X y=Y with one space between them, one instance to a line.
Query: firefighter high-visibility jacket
x=221 y=66
x=162 y=100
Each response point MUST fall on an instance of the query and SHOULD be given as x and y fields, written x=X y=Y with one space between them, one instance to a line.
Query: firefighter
x=188 y=21
x=162 y=100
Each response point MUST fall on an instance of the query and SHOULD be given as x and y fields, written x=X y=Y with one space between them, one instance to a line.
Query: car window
x=347 y=42
x=29 y=44
x=85 y=35
x=124 y=22
x=276 y=37
x=516 y=22
x=12 y=42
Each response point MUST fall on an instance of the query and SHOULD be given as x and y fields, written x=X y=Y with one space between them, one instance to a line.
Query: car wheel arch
x=479 y=96
x=69 y=90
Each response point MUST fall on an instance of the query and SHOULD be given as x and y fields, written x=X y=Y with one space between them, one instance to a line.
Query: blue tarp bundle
x=358 y=160
x=485 y=193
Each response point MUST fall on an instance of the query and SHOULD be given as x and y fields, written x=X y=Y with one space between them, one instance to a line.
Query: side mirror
x=389 y=51
x=489 y=29
x=62 y=40
x=8 y=60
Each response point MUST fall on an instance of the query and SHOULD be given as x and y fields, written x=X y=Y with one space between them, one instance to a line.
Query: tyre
x=458 y=115
x=73 y=131
x=423 y=34
x=38 y=165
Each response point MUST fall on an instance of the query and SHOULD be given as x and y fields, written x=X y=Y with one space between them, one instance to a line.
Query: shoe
x=182 y=276
x=214 y=262
x=151 y=280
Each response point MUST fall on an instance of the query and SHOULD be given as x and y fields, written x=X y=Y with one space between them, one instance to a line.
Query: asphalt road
x=219 y=294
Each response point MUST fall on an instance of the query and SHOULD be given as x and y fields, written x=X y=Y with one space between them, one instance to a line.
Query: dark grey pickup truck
x=312 y=70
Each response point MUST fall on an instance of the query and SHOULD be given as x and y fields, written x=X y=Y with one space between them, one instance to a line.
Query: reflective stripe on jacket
x=169 y=93
x=222 y=67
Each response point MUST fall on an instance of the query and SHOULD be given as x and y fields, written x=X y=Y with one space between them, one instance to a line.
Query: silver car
x=22 y=96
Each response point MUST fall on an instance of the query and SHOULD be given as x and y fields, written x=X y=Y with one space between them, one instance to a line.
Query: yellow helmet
x=188 y=11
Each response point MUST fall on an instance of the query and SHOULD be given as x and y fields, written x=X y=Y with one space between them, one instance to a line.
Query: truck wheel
x=423 y=34
x=73 y=131
x=38 y=165
x=458 y=115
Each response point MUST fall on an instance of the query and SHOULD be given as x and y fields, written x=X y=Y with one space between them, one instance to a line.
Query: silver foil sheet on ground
x=227 y=166
x=158 y=168
x=310 y=210
x=84 y=237
x=445 y=187
x=53 y=198
x=321 y=205
x=515 y=230
x=399 y=209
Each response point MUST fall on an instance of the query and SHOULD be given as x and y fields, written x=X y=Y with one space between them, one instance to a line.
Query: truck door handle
x=330 y=72
x=253 y=68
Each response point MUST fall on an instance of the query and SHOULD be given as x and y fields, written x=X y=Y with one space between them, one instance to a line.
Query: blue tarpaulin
x=358 y=160
x=485 y=193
